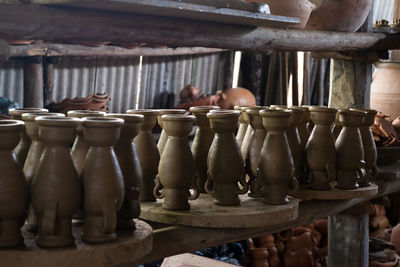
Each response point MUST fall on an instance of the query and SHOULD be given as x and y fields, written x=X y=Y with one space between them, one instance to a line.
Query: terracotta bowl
x=388 y=155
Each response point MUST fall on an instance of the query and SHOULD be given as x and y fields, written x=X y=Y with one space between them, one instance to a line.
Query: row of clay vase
x=101 y=175
x=300 y=246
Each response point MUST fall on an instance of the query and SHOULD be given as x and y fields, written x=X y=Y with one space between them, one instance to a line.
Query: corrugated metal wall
x=150 y=82
x=383 y=9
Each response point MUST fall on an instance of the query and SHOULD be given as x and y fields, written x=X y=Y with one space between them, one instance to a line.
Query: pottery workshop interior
x=199 y=133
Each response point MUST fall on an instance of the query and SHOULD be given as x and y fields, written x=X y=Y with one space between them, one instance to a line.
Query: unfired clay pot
x=56 y=190
x=320 y=149
x=103 y=182
x=80 y=146
x=247 y=135
x=14 y=194
x=147 y=152
x=225 y=164
x=177 y=171
x=163 y=136
x=276 y=167
x=242 y=126
x=254 y=150
x=302 y=127
x=129 y=163
x=339 y=15
x=32 y=158
x=350 y=164
x=369 y=146
x=21 y=150
x=202 y=142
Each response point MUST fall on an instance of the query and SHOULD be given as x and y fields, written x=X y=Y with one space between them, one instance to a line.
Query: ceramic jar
x=242 y=126
x=254 y=150
x=247 y=135
x=32 y=158
x=225 y=164
x=177 y=171
x=56 y=190
x=302 y=127
x=128 y=160
x=276 y=167
x=13 y=191
x=21 y=150
x=147 y=152
x=103 y=182
x=369 y=146
x=350 y=164
x=202 y=142
x=163 y=136
x=80 y=146
x=320 y=149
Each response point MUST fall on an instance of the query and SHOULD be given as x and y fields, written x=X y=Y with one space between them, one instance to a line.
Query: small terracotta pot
x=258 y=257
x=300 y=258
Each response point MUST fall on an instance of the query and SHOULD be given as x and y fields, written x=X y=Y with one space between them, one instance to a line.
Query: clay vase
x=370 y=153
x=21 y=150
x=56 y=189
x=304 y=133
x=147 y=152
x=13 y=191
x=224 y=152
x=80 y=146
x=339 y=15
x=276 y=167
x=242 y=127
x=202 y=142
x=103 y=182
x=163 y=136
x=177 y=171
x=247 y=135
x=32 y=158
x=350 y=164
x=337 y=127
x=254 y=150
x=320 y=149
x=131 y=171
x=258 y=257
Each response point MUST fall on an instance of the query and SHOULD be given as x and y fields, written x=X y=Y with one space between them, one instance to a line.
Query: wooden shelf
x=48 y=23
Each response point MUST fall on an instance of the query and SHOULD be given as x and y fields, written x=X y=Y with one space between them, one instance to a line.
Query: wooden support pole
x=33 y=82
x=348 y=238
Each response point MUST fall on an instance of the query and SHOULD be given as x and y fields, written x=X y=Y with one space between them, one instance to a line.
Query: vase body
x=163 y=136
x=242 y=126
x=130 y=166
x=14 y=196
x=103 y=182
x=21 y=150
x=349 y=150
x=80 y=146
x=147 y=152
x=177 y=169
x=32 y=158
x=247 y=135
x=225 y=164
x=385 y=95
x=370 y=153
x=56 y=190
x=254 y=150
x=202 y=142
x=304 y=132
x=320 y=149
x=276 y=167
x=339 y=15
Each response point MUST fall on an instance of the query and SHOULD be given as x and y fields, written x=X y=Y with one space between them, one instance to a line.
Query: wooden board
x=307 y=193
x=128 y=248
x=182 y=9
x=204 y=213
x=389 y=172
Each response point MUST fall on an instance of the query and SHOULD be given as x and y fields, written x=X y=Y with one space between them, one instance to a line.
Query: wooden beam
x=49 y=24
x=33 y=83
x=182 y=239
x=65 y=50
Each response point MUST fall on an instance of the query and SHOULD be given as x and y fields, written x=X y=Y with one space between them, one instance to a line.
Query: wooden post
x=348 y=237
x=48 y=77
x=33 y=82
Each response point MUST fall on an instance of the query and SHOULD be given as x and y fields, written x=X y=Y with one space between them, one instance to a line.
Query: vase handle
x=196 y=189
x=293 y=184
x=361 y=169
x=157 y=189
x=242 y=181
x=209 y=185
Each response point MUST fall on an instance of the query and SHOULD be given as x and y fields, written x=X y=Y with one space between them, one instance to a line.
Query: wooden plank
x=65 y=50
x=335 y=193
x=48 y=23
x=188 y=239
x=33 y=83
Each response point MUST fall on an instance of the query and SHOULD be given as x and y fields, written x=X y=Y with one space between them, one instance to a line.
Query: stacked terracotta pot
x=91 y=102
